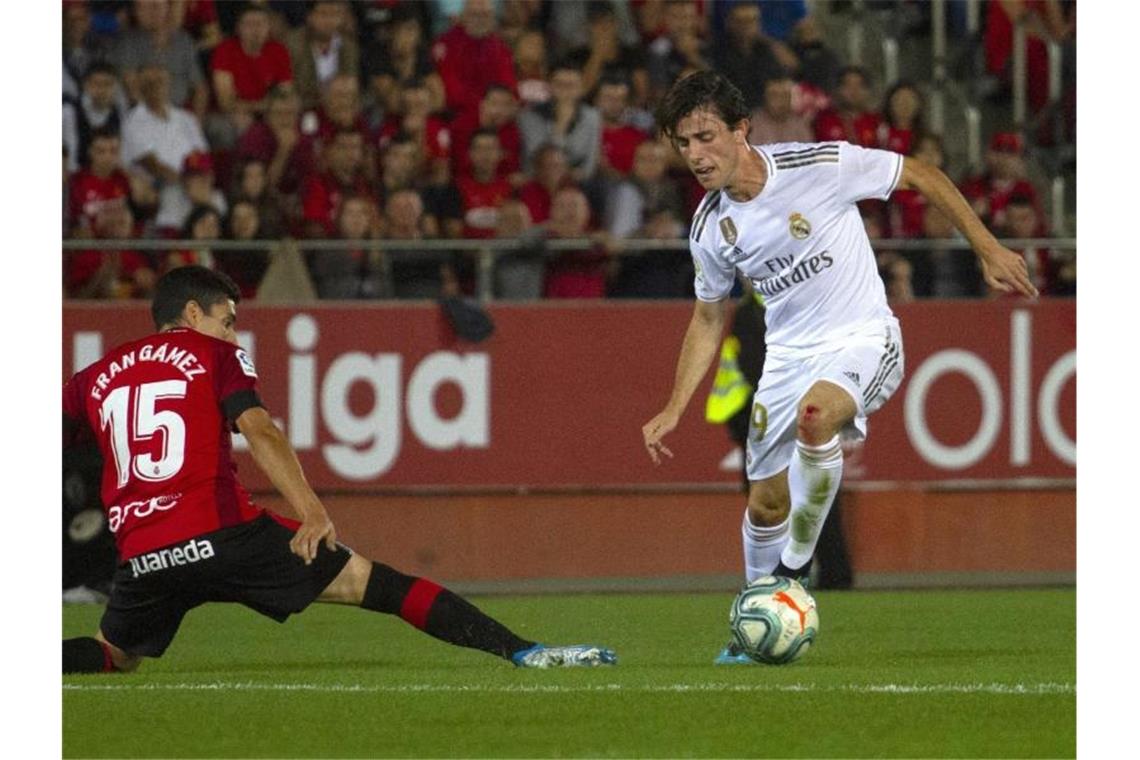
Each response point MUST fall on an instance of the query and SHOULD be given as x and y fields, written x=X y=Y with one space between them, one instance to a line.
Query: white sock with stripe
x=762 y=546
x=813 y=481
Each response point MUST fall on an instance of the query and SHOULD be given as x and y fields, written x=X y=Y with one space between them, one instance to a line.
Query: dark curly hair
x=196 y=283
x=702 y=89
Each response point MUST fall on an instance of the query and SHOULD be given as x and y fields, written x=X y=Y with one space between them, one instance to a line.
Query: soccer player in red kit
x=162 y=409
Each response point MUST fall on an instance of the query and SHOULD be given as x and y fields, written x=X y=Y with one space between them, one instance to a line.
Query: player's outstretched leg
x=815 y=472
x=449 y=617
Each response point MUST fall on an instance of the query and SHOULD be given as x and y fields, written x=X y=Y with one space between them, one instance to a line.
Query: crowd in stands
x=388 y=120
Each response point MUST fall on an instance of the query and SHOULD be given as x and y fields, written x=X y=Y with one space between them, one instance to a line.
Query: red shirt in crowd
x=904 y=214
x=481 y=202
x=162 y=409
x=619 y=144
x=321 y=196
x=253 y=76
x=258 y=142
x=895 y=139
x=577 y=274
x=862 y=130
x=87 y=194
x=467 y=65
x=464 y=127
x=436 y=142
x=990 y=197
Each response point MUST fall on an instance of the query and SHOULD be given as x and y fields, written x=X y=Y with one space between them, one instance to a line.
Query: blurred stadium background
x=333 y=163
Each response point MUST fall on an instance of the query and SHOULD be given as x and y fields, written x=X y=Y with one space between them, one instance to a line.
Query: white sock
x=762 y=547
x=813 y=481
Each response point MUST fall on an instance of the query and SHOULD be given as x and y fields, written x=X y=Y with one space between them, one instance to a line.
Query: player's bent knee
x=123 y=662
x=349 y=585
x=766 y=509
x=816 y=424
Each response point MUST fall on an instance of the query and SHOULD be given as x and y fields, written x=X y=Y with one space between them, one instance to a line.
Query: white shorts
x=869 y=366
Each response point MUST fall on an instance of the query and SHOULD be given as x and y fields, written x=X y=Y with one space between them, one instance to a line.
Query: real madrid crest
x=728 y=230
x=799 y=226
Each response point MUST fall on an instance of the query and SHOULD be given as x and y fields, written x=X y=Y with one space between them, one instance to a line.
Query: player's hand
x=1006 y=271
x=656 y=429
x=308 y=537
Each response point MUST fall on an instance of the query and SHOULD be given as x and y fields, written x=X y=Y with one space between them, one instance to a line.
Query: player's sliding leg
x=447 y=616
x=88 y=654
x=815 y=471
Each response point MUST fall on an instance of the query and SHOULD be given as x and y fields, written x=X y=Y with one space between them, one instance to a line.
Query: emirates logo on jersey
x=728 y=230
x=799 y=226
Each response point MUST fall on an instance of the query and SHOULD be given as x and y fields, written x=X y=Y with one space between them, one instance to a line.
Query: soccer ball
x=774 y=620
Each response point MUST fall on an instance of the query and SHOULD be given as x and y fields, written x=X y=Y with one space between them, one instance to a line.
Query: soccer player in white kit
x=784 y=217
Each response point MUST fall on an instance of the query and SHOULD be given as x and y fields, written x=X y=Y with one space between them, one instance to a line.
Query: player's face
x=219 y=321
x=710 y=147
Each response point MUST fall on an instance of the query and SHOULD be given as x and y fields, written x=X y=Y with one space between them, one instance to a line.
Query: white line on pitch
x=886 y=688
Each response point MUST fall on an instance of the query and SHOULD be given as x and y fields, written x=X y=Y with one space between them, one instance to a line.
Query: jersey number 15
x=130 y=413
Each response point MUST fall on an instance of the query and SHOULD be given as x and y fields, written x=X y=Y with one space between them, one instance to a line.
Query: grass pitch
x=893 y=674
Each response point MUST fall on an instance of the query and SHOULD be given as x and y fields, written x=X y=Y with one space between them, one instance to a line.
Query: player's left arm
x=1003 y=269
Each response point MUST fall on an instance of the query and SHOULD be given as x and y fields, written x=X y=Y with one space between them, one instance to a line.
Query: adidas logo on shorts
x=852 y=376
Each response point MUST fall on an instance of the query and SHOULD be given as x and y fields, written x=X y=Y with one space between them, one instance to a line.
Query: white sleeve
x=867 y=173
x=714 y=280
x=133 y=146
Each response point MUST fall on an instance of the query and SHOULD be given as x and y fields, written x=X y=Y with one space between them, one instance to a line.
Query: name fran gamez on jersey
x=784 y=275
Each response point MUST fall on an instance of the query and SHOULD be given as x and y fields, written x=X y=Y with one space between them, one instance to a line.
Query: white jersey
x=801 y=243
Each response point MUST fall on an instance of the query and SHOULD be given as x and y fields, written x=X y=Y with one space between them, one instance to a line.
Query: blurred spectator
x=245 y=267
x=619 y=138
x=321 y=50
x=98 y=108
x=196 y=189
x=200 y=20
x=483 y=191
x=530 y=67
x=574 y=274
x=431 y=133
x=954 y=272
x=99 y=184
x=158 y=136
x=551 y=173
x=818 y=71
x=566 y=121
x=902 y=123
x=354 y=273
x=518 y=16
x=1005 y=176
x=895 y=268
x=776 y=121
x=569 y=22
x=403 y=57
x=339 y=109
x=1023 y=222
x=400 y=170
x=470 y=56
x=251 y=185
x=519 y=273
x=157 y=39
x=680 y=47
x=647 y=193
x=746 y=56
x=649 y=206
x=204 y=224
x=414 y=273
x=907 y=208
x=276 y=141
x=244 y=68
x=81 y=46
x=321 y=194
x=850 y=117
x=607 y=57
x=121 y=273
x=1045 y=21
x=497 y=110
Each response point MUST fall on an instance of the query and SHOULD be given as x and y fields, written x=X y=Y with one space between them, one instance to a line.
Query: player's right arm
x=276 y=458
x=702 y=341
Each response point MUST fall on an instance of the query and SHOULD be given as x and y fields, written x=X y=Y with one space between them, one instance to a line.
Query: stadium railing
x=487 y=252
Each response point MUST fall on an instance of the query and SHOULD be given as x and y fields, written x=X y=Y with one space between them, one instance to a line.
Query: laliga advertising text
x=368 y=444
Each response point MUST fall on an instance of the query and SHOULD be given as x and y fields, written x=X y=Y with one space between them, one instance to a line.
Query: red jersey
x=896 y=139
x=481 y=202
x=254 y=76
x=436 y=141
x=321 y=196
x=990 y=197
x=463 y=129
x=162 y=409
x=87 y=194
x=537 y=199
x=619 y=144
x=862 y=130
x=468 y=64
x=905 y=214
